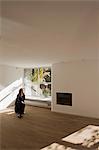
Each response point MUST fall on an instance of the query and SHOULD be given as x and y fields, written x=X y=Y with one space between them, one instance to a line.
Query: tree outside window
x=38 y=81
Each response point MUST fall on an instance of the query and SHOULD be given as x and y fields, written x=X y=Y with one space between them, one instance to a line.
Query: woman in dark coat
x=19 y=103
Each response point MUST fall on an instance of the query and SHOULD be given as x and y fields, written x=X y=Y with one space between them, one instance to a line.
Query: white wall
x=9 y=74
x=82 y=79
x=1 y=77
x=1 y=74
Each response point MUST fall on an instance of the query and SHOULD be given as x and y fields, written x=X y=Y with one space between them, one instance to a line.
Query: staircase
x=8 y=94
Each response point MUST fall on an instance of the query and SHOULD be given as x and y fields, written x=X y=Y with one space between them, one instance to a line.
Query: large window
x=38 y=82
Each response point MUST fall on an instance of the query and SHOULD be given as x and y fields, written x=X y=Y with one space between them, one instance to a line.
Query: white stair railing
x=8 y=94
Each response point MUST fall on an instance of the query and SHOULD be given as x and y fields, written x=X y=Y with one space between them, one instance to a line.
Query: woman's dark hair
x=21 y=90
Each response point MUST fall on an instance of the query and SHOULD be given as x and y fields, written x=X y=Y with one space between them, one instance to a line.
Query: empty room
x=49 y=75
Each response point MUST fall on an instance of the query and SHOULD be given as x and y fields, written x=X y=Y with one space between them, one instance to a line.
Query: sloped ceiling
x=35 y=33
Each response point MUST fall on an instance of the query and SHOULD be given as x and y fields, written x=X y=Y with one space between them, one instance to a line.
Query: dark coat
x=19 y=104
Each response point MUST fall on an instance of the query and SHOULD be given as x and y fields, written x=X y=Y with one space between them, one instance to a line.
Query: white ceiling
x=35 y=33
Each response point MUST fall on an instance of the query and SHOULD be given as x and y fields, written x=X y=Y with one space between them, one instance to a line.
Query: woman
x=19 y=103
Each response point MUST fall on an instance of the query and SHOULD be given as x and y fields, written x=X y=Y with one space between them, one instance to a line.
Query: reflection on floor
x=8 y=110
x=87 y=136
x=41 y=129
x=56 y=146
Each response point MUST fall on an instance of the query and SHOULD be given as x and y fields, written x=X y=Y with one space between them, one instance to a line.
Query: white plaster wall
x=82 y=79
x=1 y=78
x=0 y=73
x=9 y=74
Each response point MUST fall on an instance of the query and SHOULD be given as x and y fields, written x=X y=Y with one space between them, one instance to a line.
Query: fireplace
x=64 y=98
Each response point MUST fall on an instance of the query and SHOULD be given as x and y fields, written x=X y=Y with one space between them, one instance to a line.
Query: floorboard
x=38 y=128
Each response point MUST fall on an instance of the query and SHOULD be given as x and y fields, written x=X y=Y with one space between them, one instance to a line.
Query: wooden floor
x=38 y=128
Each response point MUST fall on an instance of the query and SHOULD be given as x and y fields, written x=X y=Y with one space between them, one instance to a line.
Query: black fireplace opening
x=64 y=98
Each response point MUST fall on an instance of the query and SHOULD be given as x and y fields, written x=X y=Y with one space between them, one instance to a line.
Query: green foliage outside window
x=34 y=75
x=40 y=74
x=41 y=78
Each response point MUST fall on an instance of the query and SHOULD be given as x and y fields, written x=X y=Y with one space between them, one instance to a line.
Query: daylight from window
x=37 y=83
x=8 y=94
